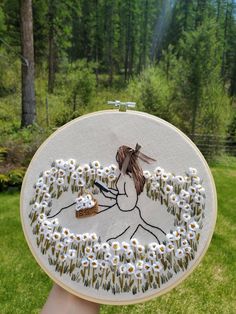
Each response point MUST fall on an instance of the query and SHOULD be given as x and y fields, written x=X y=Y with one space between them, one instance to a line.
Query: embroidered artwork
x=118 y=207
x=109 y=264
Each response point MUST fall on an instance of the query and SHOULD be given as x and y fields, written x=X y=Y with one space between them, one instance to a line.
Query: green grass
x=211 y=288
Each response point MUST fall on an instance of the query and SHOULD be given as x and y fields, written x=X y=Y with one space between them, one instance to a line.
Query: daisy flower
x=56 y=236
x=62 y=257
x=191 y=235
x=193 y=226
x=113 y=168
x=157 y=267
x=115 y=246
x=153 y=246
x=186 y=217
x=105 y=247
x=134 y=242
x=151 y=255
x=125 y=246
x=192 y=190
x=65 y=232
x=146 y=174
x=94 y=263
x=179 y=253
x=96 y=164
x=78 y=238
x=140 y=249
x=96 y=247
x=138 y=275
x=187 y=208
x=129 y=254
x=59 y=246
x=168 y=189
x=161 y=248
x=122 y=269
x=107 y=256
x=170 y=237
x=60 y=181
x=41 y=217
x=60 y=163
x=147 y=267
x=115 y=260
x=85 y=262
x=169 y=247
x=155 y=186
x=71 y=254
x=159 y=171
x=192 y=171
x=91 y=256
x=130 y=268
x=139 y=264
x=173 y=198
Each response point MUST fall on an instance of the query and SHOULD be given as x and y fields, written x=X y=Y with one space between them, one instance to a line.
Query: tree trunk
x=51 y=52
x=27 y=69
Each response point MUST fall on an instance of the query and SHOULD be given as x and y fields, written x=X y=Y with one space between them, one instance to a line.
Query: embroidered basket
x=89 y=211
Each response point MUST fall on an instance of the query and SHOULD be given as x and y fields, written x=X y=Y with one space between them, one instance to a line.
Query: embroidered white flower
x=78 y=238
x=153 y=246
x=147 y=267
x=174 y=198
x=170 y=237
x=146 y=174
x=192 y=171
x=56 y=236
x=168 y=189
x=191 y=235
x=193 y=226
x=125 y=246
x=187 y=208
x=91 y=256
x=134 y=242
x=115 y=246
x=94 y=263
x=65 y=232
x=157 y=267
x=93 y=236
x=60 y=163
x=179 y=253
x=123 y=269
x=85 y=262
x=62 y=257
x=140 y=249
x=151 y=255
x=41 y=217
x=105 y=247
x=159 y=171
x=130 y=268
x=60 y=181
x=192 y=190
x=115 y=260
x=169 y=247
x=139 y=264
x=113 y=168
x=71 y=254
x=161 y=248
x=186 y=217
x=59 y=246
x=129 y=254
x=138 y=275
x=96 y=164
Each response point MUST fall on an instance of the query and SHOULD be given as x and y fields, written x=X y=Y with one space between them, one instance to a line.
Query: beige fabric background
x=97 y=137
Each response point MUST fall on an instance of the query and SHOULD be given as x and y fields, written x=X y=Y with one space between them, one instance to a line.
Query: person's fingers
x=62 y=302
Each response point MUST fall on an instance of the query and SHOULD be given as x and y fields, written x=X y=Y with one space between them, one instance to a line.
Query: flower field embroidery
x=109 y=264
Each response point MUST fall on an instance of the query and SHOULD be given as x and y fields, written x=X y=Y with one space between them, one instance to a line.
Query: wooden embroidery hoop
x=144 y=297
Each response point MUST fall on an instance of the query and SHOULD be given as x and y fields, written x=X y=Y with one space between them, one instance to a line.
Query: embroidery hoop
x=206 y=241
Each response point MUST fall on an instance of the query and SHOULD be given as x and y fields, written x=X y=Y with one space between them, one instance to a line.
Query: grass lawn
x=210 y=289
